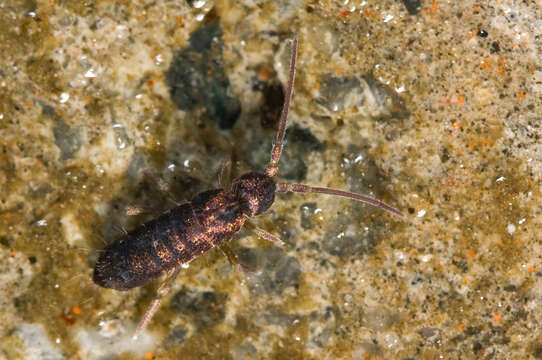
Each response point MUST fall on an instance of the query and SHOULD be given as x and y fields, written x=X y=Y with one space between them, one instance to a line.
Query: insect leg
x=162 y=185
x=162 y=291
x=224 y=177
x=234 y=261
x=263 y=234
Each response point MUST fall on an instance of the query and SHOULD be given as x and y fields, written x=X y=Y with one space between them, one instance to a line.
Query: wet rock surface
x=273 y=269
x=197 y=78
x=204 y=308
x=432 y=107
x=364 y=94
x=294 y=160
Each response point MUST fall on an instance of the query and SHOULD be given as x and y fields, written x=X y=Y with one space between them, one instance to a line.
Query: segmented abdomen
x=174 y=238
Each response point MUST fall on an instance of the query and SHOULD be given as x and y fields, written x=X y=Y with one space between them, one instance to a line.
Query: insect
x=189 y=230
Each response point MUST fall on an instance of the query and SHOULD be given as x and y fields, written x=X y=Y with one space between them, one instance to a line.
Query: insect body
x=212 y=218
x=183 y=233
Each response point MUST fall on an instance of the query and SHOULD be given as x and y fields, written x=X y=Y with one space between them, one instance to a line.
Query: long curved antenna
x=272 y=167
x=302 y=188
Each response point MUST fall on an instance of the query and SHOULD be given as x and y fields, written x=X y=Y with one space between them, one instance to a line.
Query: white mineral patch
x=97 y=344
x=36 y=343
x=70 y=227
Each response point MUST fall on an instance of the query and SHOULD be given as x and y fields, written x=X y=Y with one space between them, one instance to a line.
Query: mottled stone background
x=431 y=106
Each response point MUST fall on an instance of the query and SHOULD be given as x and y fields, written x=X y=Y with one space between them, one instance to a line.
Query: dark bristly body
x=210 y=219
x=182 y=233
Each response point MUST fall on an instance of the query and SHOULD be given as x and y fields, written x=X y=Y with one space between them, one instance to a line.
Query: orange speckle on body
x=30 y=104
x=485 y=64
x=148 y=356
x=150 y=83
x=532 y=269
x=367 y=14
x=464 y=280
x=13 y=253
x=487 y=143
x=471 y=145
x=317 y=85
x=501 y=69
x=460 y=326
x=521 y=95
x=459 y=151
x=455 y=126
x=76 y=310
x=470 y=253
x=339 y=71
x=434 y=5
x=343 y=14
x=460 y=100
x=497 y=318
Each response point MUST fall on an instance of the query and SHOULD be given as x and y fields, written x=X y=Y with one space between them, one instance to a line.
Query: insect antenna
x=302 y=188
x=272 y=167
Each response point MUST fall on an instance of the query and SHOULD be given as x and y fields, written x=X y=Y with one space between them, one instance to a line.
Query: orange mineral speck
x=148 y=356
x=485 y=64
x=470 y=253
x=434 y=5
x=264 y=73
x=460 y=326
x=497 y=318
x=76 y=310
x=521 y=95
x=460 y=100
x=487 y=143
